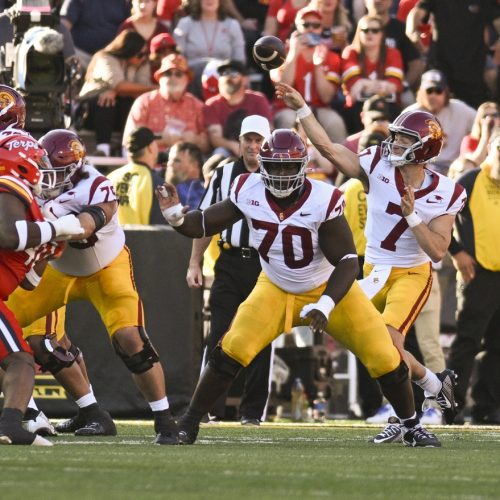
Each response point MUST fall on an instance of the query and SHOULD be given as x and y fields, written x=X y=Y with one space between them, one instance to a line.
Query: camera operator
x=314 y=71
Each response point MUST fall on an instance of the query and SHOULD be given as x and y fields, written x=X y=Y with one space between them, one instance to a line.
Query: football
x=269 y=52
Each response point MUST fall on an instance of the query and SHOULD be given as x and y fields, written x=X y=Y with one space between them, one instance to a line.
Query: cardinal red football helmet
x=66 y=153
x=283 y=159
x=12 y=108
x=425 y=128
x=22 y=156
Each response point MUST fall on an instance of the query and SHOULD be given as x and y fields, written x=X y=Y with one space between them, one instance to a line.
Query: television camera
x=34 y=64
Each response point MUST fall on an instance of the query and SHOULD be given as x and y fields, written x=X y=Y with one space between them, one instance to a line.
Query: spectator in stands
x=455 y=116
x=315 y=71
x=208 y=33
x=93 y=24
x=160 y=46
x=281 y=17
x=136 y=181
x=184 y=165
x=144 y=21
x=335 y=22
x=370 y=67
x=477 y=260
x=170 y=111
x=375 y=117
x=474 y=146
x=459 y=46
x=396 y=38
x=117 y=74
x=224 y=113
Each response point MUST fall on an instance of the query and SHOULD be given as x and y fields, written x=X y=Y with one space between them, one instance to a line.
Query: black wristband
x=98 y=214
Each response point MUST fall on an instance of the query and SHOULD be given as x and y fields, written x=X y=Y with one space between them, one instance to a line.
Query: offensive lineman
x=309 y=268
x=411 y=211
x=98 y=269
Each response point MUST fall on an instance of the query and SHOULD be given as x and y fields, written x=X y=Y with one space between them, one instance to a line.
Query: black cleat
x=188 y=431
x=16 y=435
x=101 y=425
x=419 y=437
x=391 y=432
x=250 y=421
x=167 y=432
x=72 y=424
x=445 y=398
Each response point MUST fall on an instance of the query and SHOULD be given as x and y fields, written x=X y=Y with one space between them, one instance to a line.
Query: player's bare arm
x=95 y=217
x=17 y=233
x=434 y=238
x=196 y=224
x=194 y=276
x=336 y=243
x=344 y=159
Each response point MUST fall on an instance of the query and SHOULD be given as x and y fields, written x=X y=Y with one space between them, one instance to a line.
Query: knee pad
x=76 y=351
x=222 y=363
x=58 y=357
x=396 y=377
x=141 y=361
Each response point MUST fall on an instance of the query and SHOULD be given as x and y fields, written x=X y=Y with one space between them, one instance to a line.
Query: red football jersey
x=15 y=264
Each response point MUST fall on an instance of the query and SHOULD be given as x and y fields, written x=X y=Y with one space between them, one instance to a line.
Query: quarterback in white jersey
x=411 y=211
x=97 y=268
x=309 y=266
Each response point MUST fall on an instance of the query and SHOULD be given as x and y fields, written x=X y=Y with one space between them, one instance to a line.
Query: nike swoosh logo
x=64 y=201
x=302 y=214
x=429 y=201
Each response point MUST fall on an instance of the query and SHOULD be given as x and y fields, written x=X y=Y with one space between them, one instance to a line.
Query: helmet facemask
x=56 y=181
x=279 y=185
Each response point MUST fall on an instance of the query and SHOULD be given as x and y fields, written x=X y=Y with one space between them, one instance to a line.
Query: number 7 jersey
x=390 y=241
x=287 y=239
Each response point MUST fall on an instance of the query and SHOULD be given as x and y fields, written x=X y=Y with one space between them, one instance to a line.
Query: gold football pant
x=269 y=311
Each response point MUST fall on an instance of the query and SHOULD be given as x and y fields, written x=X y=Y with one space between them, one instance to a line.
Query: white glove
x=174 y=215
x=325 y=305
x=67 y=226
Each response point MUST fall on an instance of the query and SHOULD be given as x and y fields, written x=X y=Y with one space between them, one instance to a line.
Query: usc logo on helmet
x=435 y=131
x=77 y=149
x=6 y=99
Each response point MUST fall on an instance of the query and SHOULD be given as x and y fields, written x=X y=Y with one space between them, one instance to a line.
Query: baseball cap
x=373 y=138
x=172 y=61
x=376 y=107
x=232 y=64
x=307 y=11
x=255 y=123
x=433 y=79
x=139 y=138
x=160 y=42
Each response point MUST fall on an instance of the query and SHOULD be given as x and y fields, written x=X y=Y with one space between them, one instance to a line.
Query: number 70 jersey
x=390 y=240
x=287 y=239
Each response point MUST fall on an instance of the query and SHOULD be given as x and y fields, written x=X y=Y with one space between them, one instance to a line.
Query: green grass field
x=275 y=461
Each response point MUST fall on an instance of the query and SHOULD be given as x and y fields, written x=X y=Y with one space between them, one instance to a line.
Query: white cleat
x=40 y=425
x=40 y=441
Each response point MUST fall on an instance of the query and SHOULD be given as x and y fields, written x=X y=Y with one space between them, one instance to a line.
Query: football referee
x=235 y=272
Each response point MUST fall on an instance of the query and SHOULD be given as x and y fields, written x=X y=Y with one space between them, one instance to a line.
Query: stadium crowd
x=171 y=84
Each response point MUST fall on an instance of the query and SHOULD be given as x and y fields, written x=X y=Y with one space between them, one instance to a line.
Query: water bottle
x=319 y=408
x=298 y=397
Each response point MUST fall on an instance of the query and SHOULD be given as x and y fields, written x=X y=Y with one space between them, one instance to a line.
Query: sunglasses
x=176 y=73
x=229 y=72
x=311 y=25
x=434 y=90
x=371 y=30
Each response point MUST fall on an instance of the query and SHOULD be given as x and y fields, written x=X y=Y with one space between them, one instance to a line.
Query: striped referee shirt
x=218 y=190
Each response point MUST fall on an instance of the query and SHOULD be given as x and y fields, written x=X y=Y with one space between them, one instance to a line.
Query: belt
x=244 y=252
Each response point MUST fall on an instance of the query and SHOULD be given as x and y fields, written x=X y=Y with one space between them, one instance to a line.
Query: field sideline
x=275 y=461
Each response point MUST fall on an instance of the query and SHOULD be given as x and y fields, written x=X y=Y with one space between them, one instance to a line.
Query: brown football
x=269 y=52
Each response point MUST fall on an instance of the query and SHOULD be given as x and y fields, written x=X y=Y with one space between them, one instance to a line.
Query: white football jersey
x=287 y=240
x=390 y=241
x=86 y=257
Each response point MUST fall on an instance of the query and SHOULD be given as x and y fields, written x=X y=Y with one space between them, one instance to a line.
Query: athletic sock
x=430 y=383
